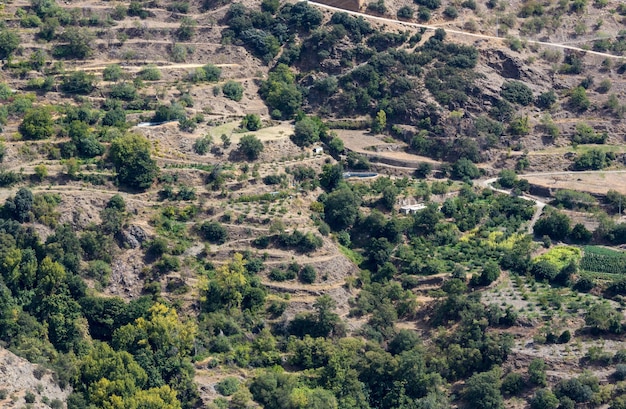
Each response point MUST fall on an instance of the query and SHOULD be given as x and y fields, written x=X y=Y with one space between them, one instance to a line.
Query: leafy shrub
x=517 y=92
x=250 y=146
x=594 y=159
x=227 y=386
x=214 y=232
x=251 y=122
x=513 y=383
x=405 y=12
x=280 y=275
x=579 y=100
x=150 y=73
x=201 y=146
x=125 y=91
x=307 y=274
x=233 y=90
x=78 y=82
x=451 y=12
x=29 y=397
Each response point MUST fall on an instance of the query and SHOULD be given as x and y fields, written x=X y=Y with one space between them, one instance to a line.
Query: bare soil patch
x=596 y=183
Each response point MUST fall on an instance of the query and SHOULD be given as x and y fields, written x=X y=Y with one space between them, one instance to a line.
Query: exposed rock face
x=18 y=376
x=133 y=237
x=506 y=66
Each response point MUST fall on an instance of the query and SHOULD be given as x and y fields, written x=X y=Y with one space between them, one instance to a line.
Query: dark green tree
x=555 y=225
x=76 y=44
x=78 y=82
x=250 y=146
x=544 y=399
x=130 y=154
x=465 y=169
x=482 y=391
x=341 y=208
x=306 y=131
x=9 y=42
x=537 y=372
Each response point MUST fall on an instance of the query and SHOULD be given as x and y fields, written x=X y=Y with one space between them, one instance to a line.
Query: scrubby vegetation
x=308 y=225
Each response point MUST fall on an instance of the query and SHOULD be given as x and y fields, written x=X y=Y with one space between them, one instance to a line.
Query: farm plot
x=603 y=260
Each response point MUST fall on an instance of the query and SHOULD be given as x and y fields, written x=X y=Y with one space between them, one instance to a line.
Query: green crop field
x=603 y=260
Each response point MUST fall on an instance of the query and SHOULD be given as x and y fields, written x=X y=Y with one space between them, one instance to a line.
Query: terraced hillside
x=178 y=229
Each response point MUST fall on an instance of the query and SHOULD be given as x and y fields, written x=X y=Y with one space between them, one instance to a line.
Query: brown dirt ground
x=598 y=183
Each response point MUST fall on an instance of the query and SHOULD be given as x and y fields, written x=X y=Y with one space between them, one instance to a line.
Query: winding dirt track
x=463 y=33
x=540 y=204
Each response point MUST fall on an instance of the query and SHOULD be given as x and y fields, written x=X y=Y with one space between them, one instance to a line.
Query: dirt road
x=464 y=33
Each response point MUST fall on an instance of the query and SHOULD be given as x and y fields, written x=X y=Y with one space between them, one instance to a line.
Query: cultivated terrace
x=288 y=205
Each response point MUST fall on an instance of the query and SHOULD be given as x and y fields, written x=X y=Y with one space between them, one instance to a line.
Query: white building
x=411 y=209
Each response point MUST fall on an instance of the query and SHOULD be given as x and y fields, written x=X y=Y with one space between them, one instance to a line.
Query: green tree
x=520 y=126
x=380 y=122
x=544 y=399
x=77 y=44
x=112 y=72
x=212 y=73
x=307 y=275
x=37 y=124
x=233 y=90
x=555 y=225
x=187 y=29
x=78 y=82
x=546 y=99
x=41 y=171
x=250 y=146
x=214 y=232
x=336 y=146
x=482 y=391
x=601 y=317
x=130 y=154
x=465 y=169
x=331 y=176
x=306 y=132
x=537 y=372
x=578 y=99
x=9 y=42
x=517 y=92
x=281 y=93
x=341 y=208
x=251 y=122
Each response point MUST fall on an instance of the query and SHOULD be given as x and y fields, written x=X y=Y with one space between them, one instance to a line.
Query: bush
x=465 y=169
x=233 y=90
x=214 y=232
x=620 y=372
x=250 y=146
x=451 y=12
x=517 y=92
x=280 y=275
x=546 y=100
x=29 y=397
x=78 y=82
x=37 y=124
x=579 y=100
x=150 y=73
x=251 y=122
x=594 y=159
x=307 y=275
x=125 y=91
x=227 y=386
x=513 y=383
x=544 y=399
x=201 y=146
x=405 y=12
